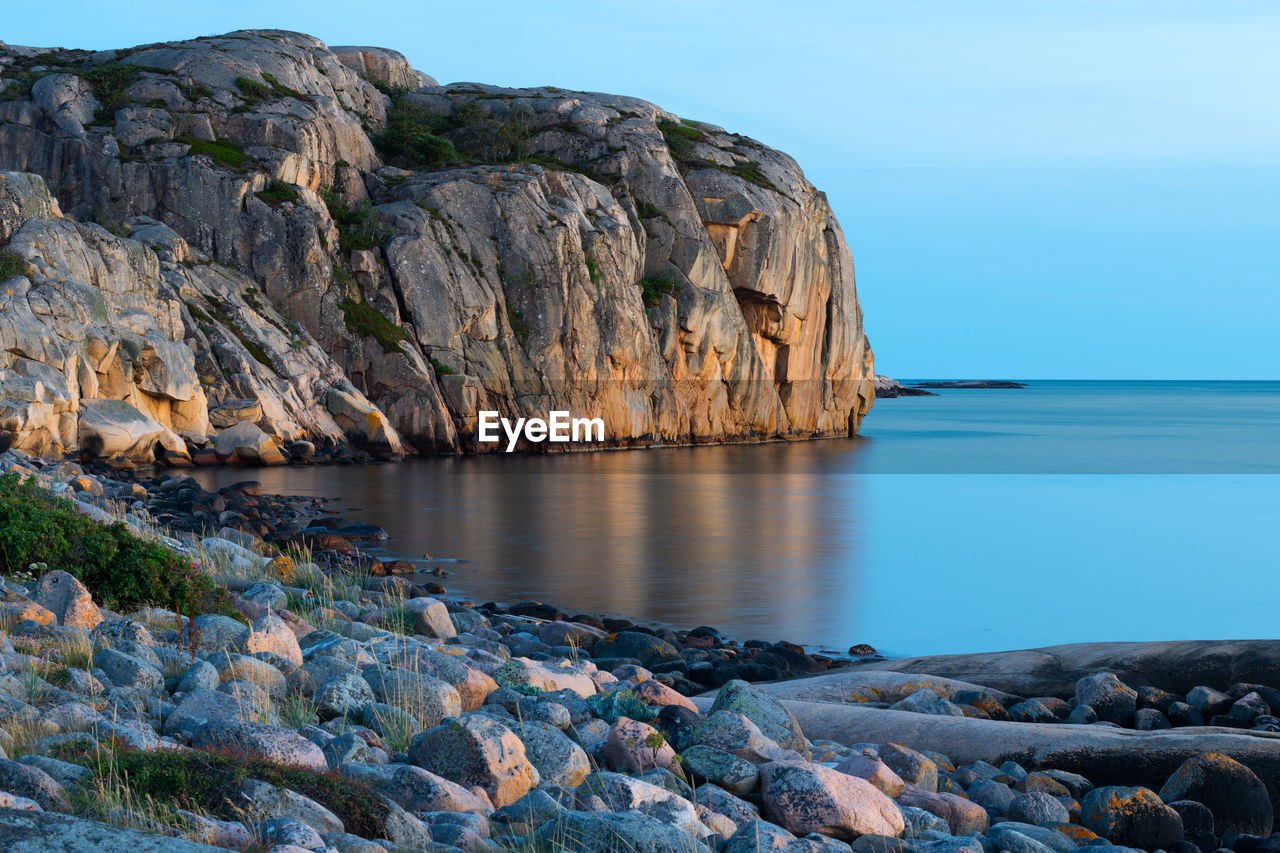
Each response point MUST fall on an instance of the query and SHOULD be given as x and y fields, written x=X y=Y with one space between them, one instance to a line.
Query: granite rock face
x=235 y=249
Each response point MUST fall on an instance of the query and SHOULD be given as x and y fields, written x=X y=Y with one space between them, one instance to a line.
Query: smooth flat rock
x=1103 y=754
x=852 y=686
x=1176 y=666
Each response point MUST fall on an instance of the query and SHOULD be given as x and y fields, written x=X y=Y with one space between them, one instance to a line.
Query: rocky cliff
x=250 y=245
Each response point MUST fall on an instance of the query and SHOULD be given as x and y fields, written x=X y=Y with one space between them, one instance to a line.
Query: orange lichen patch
x=1041 y=782
x=283 y=568
x=1075 y=832
x=993 y=708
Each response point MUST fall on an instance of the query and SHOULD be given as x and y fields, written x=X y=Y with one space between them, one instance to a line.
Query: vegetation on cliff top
x=408 y=139
x=38 y=528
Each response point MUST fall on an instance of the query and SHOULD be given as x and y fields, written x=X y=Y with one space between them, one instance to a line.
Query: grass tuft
x=654 y=287
x=365 y=320
x=209 y=782
x=224 y=152
x=278 y=192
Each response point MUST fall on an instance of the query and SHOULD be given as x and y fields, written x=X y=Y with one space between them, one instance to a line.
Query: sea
x=974 y=520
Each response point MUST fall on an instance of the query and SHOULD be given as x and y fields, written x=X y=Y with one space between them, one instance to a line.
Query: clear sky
x=1032 y=188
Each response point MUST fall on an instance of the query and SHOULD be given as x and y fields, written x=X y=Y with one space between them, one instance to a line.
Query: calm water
x=974 y=520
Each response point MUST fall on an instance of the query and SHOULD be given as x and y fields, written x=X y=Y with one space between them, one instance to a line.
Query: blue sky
x=1048 y=189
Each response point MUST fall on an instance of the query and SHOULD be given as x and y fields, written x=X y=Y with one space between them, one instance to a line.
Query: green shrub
x=209 y=782
x=253 y=89
x=279 y=90
x=278 y=192
x=109 y=81
x=750 y=172
x=441 y=368
x=269 y=88
x=116 y=566
x=593 y=270
x=408 y=139
x=224 y=152
x=653 y=287
x=363 y=319
x=358 y=227
x=11 y=265
x=681 y=138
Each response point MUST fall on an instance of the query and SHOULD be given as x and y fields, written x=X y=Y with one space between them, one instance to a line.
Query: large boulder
x=1233 y=793
x=910 y=766
x=926 y=701
x=476 y=751
x=559 y=761
x=635 y=746
x=128 y=671
x=245 y=443
x=805 y=797
x=1110 y=698
x=23 y=196
x=110 y=427
x=270 y=633
x=69 y=600
x=963 y=816
x=646 y=648
x=1130 y=817
x=388 y=67
x=728 y=771
x=34 y=784
x=769 y=715
x=431 y=618
x=736 y=734
x=473 y=686
x=341 y=695
x=418 y=790
x=274 y=743
x=202 y=705
x=869 y=766
x=430 y=700
x=546 y=676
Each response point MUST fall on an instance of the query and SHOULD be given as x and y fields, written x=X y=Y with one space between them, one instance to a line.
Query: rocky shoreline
x=337 y=705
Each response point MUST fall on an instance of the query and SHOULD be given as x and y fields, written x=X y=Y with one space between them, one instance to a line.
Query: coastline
x=489 y=728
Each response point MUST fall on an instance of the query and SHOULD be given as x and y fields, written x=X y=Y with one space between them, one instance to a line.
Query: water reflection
x=981 y=520
x=761 y=540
